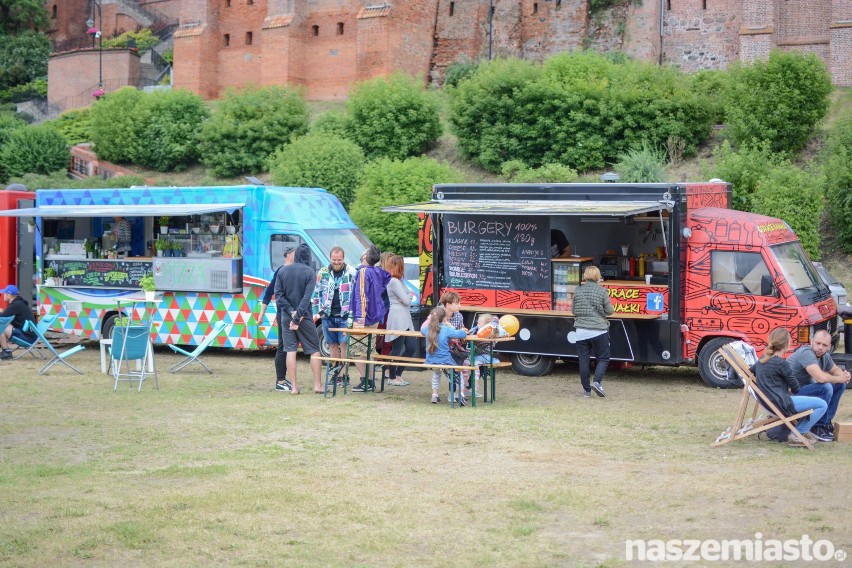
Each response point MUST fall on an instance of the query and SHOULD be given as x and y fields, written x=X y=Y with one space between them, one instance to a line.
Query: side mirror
x=767 y=286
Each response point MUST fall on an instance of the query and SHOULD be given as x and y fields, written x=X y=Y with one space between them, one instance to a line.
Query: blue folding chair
x=43 y=325
x=57 y=356
x=4 y=322
x=131 y=343
x=192 y=357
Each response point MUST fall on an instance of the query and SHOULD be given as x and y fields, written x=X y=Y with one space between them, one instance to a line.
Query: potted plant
x=147 y=284
x=161 y=245
x=164 y=225
x=50 y=276
x=89 y=247
x=177 y=248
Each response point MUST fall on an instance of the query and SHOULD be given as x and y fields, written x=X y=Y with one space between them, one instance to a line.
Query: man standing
x=330 y=301
x=122 y=234
x=281 y=382
x=20 y=309
x=368 y=308
x=293 y=288
x=818 y=376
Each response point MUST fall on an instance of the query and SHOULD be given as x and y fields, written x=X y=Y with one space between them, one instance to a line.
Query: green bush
x=60 y=180
x=793 y=195
x=168 y=124
x=392 y=182
x=835 y=161
x=744 y=169
x=710 y=85
x=393 y=117
x=333 y=122
x=319 y=160
x=145 y=40
x=74 y=125
x=113 y=124
x=23 y=58
x=516 y=171
x=34 y=149
x=642 y=165
x=779 y=101
x=458 y=71
x=247 y=126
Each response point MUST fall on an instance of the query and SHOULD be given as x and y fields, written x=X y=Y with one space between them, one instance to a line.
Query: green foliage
x=334 y=122
x=8 y=123
x=516 y=171
x=458 y=71
x=392 y=182
x=779 y=100
x=168 y=124
x=145 y=40
x=319 y=160
x=744 y=169
x=393 y=117
x=18 y=17
x=36 y=149
x=74 y=125
x=60 y=180
x=641 y=165
x=113 y=124
x=709 y=85
x=835 y=161
x=580 y=109
x=147 y=283
x=169 y=56
x=23 y=58
x=247 y=126
x=793 y=195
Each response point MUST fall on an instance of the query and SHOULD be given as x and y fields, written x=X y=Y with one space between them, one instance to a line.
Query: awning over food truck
x=515 y=207
x=122 y=210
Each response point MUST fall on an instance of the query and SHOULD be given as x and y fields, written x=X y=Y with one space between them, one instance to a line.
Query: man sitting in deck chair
x=20 y=312
x=43 y=325
x=192 y=357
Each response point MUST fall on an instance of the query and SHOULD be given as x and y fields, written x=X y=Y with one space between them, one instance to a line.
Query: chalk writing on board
x=481 y=252
x=106 y=273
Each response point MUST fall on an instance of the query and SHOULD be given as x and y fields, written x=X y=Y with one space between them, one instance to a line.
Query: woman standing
x=399 y=318
x=591 y=307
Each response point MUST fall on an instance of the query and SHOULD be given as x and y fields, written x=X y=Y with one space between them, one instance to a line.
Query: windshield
x=800 y=273
x=352 y=241
x=826 y=275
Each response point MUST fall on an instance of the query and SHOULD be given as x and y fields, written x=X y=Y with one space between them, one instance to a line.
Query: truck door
x=26 y=256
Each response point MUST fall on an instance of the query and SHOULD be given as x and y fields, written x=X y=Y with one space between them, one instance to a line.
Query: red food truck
x=17 y=244
x=686 y=274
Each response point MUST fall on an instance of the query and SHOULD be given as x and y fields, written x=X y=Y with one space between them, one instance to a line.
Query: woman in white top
x=399 y=318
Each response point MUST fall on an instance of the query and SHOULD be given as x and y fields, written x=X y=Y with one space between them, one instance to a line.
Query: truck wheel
x=323 y=344
x=531 y=365
x=713 y=367
x=109 y=325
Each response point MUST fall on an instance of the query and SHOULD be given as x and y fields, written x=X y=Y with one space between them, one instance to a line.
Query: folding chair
x=131 y=343
x=751 y=392
x=43 y=325
x=4 y=322
x=192 y=357
x=57 y=356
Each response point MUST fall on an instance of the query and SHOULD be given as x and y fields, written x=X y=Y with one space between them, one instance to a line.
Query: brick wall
x=840 y=34
x=73 y=76
x=697 y=38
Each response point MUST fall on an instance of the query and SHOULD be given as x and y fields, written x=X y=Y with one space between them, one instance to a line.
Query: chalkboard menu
x=504 y=254
x=97 y=273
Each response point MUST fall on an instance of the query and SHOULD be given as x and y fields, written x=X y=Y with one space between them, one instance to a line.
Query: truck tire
x=323 y=344
x=712 y=367
x=531 y=365
x=108 y=326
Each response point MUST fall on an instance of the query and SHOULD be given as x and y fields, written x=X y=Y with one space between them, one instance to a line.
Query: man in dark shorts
x=20 y=309
x=294 y=285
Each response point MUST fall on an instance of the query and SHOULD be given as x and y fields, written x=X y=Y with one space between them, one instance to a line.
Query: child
x=438 y=334
x=482 y=349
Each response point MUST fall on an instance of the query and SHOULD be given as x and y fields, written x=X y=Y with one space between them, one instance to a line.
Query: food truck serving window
x=740 y=273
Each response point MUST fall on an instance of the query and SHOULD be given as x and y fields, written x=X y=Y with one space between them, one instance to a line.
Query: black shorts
x=306 y=335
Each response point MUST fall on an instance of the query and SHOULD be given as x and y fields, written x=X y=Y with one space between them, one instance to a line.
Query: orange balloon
x=510 y=324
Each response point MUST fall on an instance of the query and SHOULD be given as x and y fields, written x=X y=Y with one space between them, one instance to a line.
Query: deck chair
x=57 y=356
x=131 y=343
x=771 y=416
x=43 y=325
x=4 y=322
x=193 y=356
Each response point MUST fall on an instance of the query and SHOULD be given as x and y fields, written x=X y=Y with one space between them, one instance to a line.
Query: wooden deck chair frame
x=57 y=356
x=43 y=325
x=752 y=393
x=193 y=356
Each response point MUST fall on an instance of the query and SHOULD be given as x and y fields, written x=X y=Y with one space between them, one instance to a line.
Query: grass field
x=222 y=470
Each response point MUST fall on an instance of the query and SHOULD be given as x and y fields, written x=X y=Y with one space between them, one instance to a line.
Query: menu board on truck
x=496 y=253
x=106 y=273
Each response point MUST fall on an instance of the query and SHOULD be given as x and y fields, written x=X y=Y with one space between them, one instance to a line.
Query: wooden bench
x=413 y=362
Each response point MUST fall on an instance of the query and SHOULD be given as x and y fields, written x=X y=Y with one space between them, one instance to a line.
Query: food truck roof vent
x=610 y=177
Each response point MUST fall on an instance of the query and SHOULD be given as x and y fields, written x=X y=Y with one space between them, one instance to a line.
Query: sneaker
x=5 y=354
x=598 y=388
x=285 y=386
x=821 y=433
x=436 y=399
x=830 y=428
x=587 y=394
x=794 y=442
x=362 y=386
x=461 y=400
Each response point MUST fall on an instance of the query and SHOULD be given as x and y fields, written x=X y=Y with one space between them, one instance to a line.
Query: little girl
x=438 y=334
x=482 y=349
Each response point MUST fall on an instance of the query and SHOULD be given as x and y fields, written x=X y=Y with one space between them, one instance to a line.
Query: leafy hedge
x=60 y=180
x=75 y=125
x=393 y=182
x=579 y=109
x=319 y=160
x=248 y=125
x=34 y=149
x=168 y=125
x=835 y=161
x=113 y=125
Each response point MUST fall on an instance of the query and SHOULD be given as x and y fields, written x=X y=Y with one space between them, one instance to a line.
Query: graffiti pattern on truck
x=734 y=311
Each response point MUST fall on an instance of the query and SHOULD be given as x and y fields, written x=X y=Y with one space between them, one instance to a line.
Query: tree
x=393 y=117
x=247 y=126
x=34 y=149
x=20 y=15
x=168 y=125
x=23 y=58
x=113 y=125
x=394 y=182
x=320 y=160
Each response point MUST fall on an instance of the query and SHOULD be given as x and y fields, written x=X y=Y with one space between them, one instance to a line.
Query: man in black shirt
x=281 y=382
x=20 y=309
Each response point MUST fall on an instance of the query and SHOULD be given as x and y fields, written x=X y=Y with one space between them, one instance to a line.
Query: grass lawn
x=221 y=470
